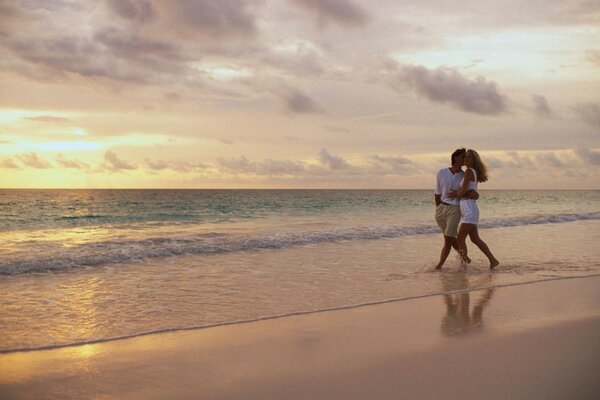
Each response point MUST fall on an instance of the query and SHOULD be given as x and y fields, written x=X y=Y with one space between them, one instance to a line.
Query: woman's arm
x=465 y=183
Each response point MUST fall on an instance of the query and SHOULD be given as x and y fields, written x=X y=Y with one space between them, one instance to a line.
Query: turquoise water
x=79 y=266
x=48 y=230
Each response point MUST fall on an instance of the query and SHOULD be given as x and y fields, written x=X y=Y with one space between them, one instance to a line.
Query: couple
x=455 y=201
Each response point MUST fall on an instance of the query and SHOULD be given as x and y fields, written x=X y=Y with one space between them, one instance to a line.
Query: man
x=447 y=211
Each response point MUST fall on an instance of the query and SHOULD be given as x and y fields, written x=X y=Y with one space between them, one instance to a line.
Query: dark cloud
x=130 y=46
x=180 y=166
x=268 y=167
x=157 y=165
x=344 y=12
x=302 y=61
x=115 y=164
x=588 y=155
x=588 y=113
x=540 y=106
x=332 y=161
x=111 y=54
x=32 y=160
x=210 y=18
x=298 y=102
x=9 y=164
x=75 y=164
x=446 y=85
x=134 y=10
x=122 y=50
x=236 y=165
x=59 y=54
x=10 y=13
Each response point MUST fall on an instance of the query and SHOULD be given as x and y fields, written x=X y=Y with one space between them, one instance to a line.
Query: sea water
x=82 y=266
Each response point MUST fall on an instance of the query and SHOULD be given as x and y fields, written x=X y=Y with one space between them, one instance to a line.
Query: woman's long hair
x=479 y=166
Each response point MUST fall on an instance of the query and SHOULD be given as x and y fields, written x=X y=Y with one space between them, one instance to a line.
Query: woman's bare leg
x=461 y=238
x=474 y=235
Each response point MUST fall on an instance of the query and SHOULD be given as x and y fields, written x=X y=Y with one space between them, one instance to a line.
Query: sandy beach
x=534 y=341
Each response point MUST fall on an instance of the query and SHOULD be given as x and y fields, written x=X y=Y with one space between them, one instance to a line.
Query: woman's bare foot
x=494 y=264
x=464 y=259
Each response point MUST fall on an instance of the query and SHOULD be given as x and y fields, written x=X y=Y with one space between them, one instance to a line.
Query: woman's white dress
x=469 y=212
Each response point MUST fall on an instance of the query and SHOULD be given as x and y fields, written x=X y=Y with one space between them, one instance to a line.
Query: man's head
x=458 y=156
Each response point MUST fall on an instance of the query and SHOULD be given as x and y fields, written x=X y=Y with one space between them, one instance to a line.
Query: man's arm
x=438 y=199
x=472 y=194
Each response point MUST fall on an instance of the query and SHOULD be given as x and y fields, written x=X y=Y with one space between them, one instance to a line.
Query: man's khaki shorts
x=447 y=218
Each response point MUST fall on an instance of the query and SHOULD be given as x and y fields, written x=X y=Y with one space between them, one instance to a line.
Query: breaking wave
x=132 y=250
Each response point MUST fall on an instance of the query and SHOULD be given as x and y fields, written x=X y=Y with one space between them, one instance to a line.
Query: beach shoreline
x=527 y=341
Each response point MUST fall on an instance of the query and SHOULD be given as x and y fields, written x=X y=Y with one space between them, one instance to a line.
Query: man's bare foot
x=467 y=259
x=438 y=267
x=494 y=264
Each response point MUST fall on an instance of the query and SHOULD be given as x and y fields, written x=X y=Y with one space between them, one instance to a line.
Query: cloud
x=267 y=167
x=9 y=164
x=180 y=166
x=391 y=163
x=115 y=164
x=134 y=10
x=593 y=56
x=75 y=164
x=540 y=106
x=298 y=58
x=281 y=167
x=344 y=12
x=236 y=165
x=132 y=47
x=298 y=102
x=331 y=161
x=544 y=160
x=117 y=48
x=549 y=160
x=32 y=160
x=209 y=18
x=49 y=119
x=588 y=113
x=446 y=85
x=588 y=155
x=512 y=160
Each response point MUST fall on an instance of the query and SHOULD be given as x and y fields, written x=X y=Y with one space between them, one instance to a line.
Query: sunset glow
x=296 y=93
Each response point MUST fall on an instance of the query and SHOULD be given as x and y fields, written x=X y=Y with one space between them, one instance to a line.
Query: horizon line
x=306 y=188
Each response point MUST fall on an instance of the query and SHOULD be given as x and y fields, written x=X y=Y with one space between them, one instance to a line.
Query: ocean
x=85 y=266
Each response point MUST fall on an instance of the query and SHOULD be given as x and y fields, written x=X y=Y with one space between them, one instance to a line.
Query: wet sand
x=534 y=341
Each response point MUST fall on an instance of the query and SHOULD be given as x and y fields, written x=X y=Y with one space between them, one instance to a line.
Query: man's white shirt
x=446 y=181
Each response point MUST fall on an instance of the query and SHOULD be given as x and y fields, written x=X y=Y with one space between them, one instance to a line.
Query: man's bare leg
x=450 y=243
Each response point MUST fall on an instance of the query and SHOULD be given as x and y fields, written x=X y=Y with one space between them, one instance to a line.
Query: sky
x=297 y=93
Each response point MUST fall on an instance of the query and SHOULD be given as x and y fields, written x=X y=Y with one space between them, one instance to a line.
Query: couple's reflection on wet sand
x=461 y=318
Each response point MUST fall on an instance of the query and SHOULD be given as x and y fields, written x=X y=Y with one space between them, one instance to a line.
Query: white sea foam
x=52 y=258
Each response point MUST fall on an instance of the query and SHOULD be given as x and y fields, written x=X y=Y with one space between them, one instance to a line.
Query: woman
x=476 y=172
